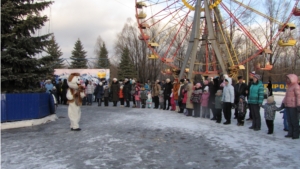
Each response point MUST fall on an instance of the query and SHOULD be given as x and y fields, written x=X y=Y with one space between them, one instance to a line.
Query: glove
x=232 y=105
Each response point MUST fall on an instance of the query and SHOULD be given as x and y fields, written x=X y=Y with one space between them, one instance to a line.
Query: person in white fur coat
x=75 y=94
x=228 y=100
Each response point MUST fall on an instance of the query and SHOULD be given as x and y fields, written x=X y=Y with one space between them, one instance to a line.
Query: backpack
x=143 y=95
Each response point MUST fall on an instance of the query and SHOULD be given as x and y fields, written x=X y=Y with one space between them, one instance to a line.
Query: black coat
x=127 y=90
x=64 y=88
x=238 y=92
x=99 y=91
x=114 y=89
x=168 y=89
x=59 y=88
x=212 y=95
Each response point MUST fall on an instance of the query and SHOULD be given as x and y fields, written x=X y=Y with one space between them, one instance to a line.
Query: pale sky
x=86 y=20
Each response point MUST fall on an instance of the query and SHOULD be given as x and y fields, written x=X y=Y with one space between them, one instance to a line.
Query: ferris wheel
x=207 y=36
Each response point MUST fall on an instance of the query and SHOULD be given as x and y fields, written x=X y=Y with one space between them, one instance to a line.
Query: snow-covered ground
x=147 y=138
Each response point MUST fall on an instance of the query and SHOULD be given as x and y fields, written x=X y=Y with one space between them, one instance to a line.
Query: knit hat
x=257 y=76
x=242 y=97
x=206 y=88
x=198 y=85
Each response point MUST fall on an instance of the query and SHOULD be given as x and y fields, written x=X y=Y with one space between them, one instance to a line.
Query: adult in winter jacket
x=64 y=89
x=176 y=86
x=133 y=92
x=114 y=89
x=155 y=93
x=227 y=99
x=212 y=91
x=196 y=99
x=126 y=92
x=167 y=92
x=89 y=91
x=256 y=97
x=247 y=92
x=239 y=89
x=180 y=96
x=291 y=103
x=99 y=92
x=269 y=86
x=189 y=103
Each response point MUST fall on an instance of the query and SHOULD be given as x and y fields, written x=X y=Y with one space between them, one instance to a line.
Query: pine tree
x=103 y=60
x=54 y=51
x=126 y=66
x=20 y=70
x=78 y=56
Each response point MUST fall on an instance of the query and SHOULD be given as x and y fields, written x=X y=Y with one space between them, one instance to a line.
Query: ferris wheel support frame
x=212 y=37
x=193 y=43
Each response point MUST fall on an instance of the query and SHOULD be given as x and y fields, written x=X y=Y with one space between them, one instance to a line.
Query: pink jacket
x=292 y=95
x=204 y=99
x=137 y=96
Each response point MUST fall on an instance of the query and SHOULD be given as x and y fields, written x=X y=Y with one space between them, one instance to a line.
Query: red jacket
x=292 y=95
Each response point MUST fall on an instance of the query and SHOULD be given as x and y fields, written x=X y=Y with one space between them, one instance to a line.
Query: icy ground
x=146 y=138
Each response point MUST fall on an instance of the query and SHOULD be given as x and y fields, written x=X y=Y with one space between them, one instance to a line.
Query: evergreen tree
x=54 y=51
x=20 y=70
x=78 y=57
x=103 y=60
x=126 y=66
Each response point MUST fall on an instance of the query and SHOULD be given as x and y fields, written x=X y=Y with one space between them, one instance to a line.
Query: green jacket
x=256 y=95
x=218 y=102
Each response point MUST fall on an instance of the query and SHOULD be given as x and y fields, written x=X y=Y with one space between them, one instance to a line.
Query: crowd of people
x=212 y=96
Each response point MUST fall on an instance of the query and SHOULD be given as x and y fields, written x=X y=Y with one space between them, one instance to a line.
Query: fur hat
x=257 y=76
x=206 y=88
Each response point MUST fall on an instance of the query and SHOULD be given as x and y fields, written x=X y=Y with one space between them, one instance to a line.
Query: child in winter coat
x=161 y=99
x=149 y=100
x=137 y=97
x=218 y=106
x=270 y=109
x=204 y=103
x=285 y=123
x=173 y=104
x=106 y=95
x=242 y=109
x=121 y=96
x=143 y=96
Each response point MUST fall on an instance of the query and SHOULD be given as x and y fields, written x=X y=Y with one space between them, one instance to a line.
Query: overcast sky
x=86 y=20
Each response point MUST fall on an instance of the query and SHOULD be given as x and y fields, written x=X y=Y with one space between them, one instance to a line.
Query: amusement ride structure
x=195 y=36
